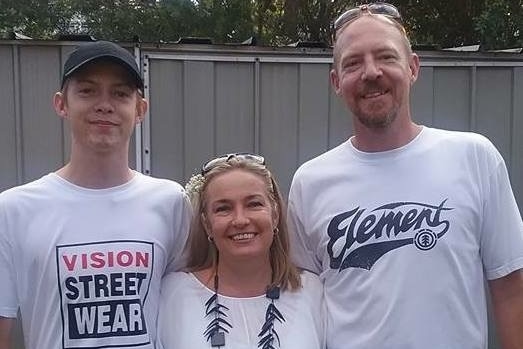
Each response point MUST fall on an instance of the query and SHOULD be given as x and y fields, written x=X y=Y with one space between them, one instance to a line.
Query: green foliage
x=500 y=24
x=440 y=22
x=38 y=19
x=226 y=20
x=123 y=20
x=493 y=23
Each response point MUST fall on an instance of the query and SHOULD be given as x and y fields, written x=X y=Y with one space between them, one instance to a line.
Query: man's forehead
x=370 y=31
x=366 y=23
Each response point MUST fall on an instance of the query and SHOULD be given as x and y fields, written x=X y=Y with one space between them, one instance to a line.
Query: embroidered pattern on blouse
x=215 y=331
x=268 y=335
x=218 y=326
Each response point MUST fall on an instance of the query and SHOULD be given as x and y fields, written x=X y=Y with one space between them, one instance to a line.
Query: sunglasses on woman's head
x=208 y=166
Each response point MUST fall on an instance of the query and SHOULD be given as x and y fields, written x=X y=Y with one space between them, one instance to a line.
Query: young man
x=83 y=249
x=404 y=222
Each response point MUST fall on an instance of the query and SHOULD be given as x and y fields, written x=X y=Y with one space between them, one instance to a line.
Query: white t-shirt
x=403 y=239
x=182 y=320
x=85 y=265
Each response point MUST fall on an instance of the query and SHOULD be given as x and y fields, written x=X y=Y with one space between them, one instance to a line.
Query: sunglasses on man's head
x=377 y=8
x=227 y=157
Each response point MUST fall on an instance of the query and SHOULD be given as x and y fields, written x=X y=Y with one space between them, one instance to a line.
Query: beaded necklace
x=215 y=331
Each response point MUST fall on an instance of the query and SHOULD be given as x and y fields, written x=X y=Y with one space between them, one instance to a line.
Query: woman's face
x=239 y=215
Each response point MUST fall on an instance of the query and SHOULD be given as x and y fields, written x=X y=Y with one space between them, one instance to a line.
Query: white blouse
x=182 y=321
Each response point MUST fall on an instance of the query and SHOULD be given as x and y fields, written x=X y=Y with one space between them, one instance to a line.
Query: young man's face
x=102 y=105
x=374 y=71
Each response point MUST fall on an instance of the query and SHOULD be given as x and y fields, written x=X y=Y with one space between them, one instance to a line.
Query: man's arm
x=6 y=329
x=507 y=302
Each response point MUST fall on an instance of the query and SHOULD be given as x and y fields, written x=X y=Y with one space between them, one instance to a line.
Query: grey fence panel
x=313 y=113
x=199 y=108
x=516 y=159
x=66 y=136
x=235 y=101
x=452 y=105
x=279 y=118
x=422 y=97
x=494 y=107
x=165 y=117
x=9 y=114
x=42 y=134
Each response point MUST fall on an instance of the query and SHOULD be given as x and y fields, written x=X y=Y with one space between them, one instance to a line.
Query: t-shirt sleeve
x=166 y=311
x=300 y=240
x=182 y=220
x=502 y=228
x=314 y=285
x=8 y=298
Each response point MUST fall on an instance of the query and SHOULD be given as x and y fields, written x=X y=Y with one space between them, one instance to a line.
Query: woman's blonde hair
x=202 y=253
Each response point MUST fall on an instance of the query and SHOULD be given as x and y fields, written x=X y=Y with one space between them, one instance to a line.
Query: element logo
x=425 y=239
x=357 y=238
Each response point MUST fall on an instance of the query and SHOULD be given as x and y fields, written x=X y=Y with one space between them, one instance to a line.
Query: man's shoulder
x=159 y=189
x=462 y=142
x=457 y=137
x=324 y=161
x=39 y=185
x=157 y=182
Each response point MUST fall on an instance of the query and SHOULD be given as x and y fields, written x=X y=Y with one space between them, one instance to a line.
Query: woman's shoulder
x=310 y=280
x=175 y=281
x=311 y=287
x=176 y=276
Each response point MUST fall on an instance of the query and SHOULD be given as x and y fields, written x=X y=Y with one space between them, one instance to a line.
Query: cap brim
x=132 y=72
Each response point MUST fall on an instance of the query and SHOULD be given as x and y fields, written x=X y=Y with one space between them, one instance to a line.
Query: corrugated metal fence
x=209 y=100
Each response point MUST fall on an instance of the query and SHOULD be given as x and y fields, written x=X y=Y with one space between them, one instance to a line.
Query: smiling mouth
x=242 y=236
x=103 y=123
x=374 y=94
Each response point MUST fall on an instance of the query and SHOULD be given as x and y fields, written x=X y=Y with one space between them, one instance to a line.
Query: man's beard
x=377 y=121
x=372 y=114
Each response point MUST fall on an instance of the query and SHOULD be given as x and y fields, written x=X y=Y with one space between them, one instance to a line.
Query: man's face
x=374 y=71
x=102 y=105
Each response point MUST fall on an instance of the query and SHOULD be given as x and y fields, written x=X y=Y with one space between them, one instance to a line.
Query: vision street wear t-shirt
x=85 y=265
x=404 y=238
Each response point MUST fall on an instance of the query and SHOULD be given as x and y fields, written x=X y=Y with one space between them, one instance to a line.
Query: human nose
x=371 y=70
x=104 y=103
x=240 y=218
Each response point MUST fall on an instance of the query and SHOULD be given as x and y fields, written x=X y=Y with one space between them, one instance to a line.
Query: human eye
x=387 y=57
x=221 y=209
x=256 y=203
x=85 y=90
x=122 y=93
x=351 y=64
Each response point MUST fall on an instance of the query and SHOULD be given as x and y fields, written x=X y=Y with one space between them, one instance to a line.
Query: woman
x=240 y=289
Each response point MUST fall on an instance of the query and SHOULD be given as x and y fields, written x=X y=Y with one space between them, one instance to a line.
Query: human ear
x=335 y=81
x=60 y=105
x=141 y=109
x=414 y=68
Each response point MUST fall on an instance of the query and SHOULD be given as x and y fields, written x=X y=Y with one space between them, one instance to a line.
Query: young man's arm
x=507 y=302
x=6 y=329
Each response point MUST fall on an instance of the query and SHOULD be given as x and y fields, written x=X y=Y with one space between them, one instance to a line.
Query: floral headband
x=195 y=184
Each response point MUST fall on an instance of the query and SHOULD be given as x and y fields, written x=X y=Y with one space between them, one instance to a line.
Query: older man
x=404 y=222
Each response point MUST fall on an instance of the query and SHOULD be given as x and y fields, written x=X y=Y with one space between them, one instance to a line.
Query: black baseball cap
x=87 y=53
